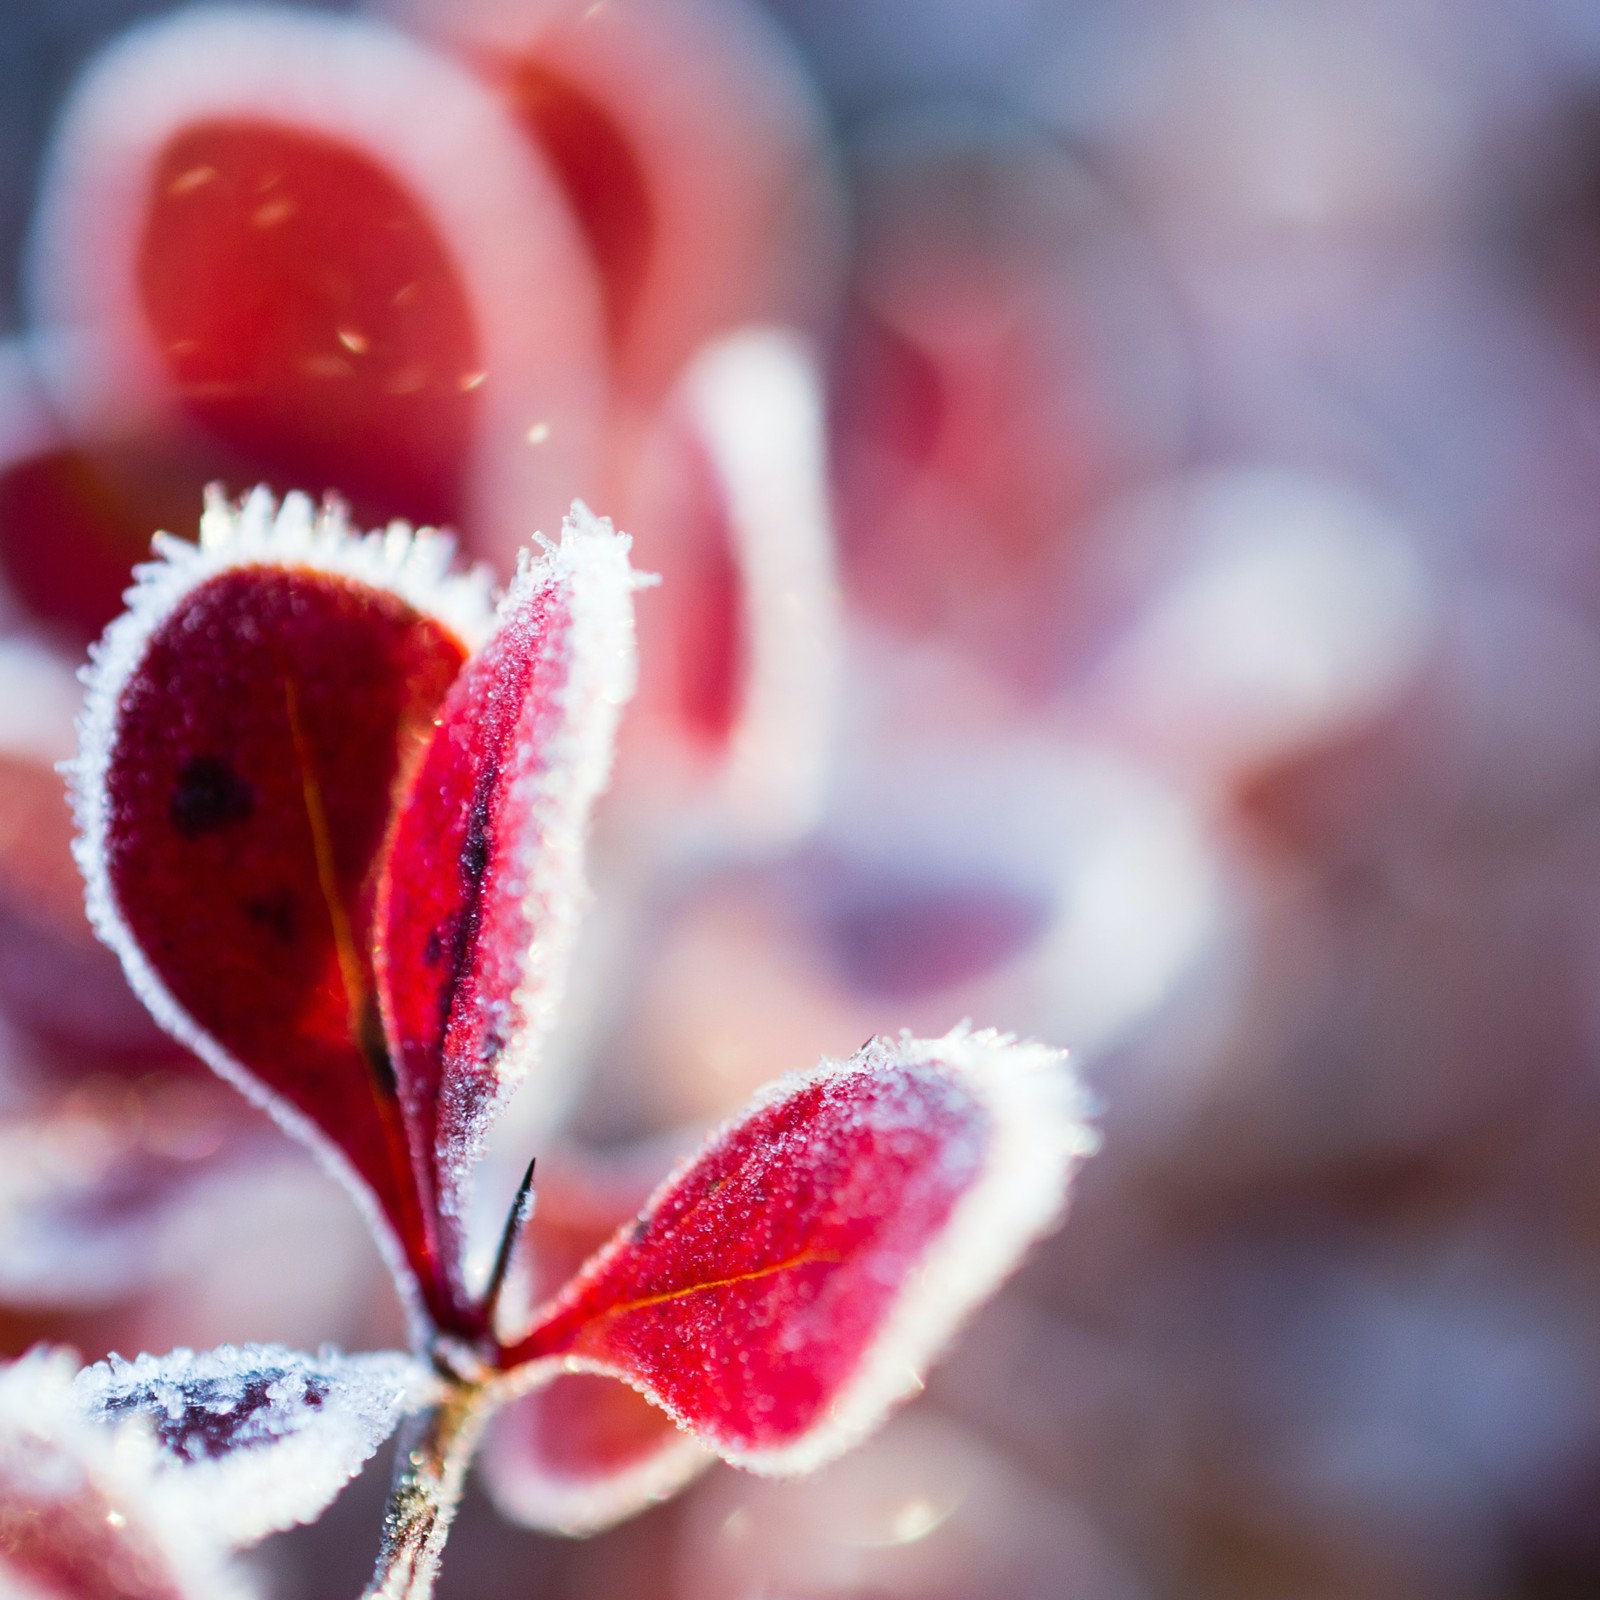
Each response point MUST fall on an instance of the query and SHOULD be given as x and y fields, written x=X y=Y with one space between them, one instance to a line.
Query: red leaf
x=584 y=1452
x=72 y=526
x=581 y=1199
x=482 y=878
x=329 y=367
x=330 y=251
x=75 y=518
x=248 y=722
x=784 y=1288
x=742 y=654
x=690 y=150
x=67 y=541
x=604 y=182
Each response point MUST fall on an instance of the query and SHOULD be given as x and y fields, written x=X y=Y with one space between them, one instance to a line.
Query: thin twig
x=434 y=1449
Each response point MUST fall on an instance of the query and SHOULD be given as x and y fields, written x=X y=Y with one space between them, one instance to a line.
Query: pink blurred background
x=1212 y=399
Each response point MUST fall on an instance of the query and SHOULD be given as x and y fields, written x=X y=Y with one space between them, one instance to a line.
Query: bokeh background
x=1212 y=398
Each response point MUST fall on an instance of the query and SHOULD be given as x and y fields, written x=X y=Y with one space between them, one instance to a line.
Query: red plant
x=332 y=813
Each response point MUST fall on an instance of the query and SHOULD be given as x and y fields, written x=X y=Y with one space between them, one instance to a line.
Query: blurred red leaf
x=311 y=316
x=584 y=1452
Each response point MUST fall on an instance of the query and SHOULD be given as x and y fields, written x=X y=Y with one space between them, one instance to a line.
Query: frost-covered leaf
x=256 y=1438
x=82 y=1514
x=584 y=1452
x=247 y=723
x=482 y=878
x=787 y=1285
x=207 y=256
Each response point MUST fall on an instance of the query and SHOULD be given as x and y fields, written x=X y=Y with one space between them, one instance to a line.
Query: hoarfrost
x=84 y=1508
x=256 y=1438
x=787 y=1286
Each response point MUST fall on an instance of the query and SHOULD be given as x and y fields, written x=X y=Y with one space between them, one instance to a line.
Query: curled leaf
x=482 y=876
x=744 y=649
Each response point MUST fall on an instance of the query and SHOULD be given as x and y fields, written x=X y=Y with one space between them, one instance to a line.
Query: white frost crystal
x=256 y=1438
x=84 y=1507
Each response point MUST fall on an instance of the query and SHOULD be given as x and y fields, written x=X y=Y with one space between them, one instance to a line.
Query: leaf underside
x=584 y=1452
x=256 y=1437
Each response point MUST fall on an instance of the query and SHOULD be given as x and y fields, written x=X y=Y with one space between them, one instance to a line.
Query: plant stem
x=430 y=1464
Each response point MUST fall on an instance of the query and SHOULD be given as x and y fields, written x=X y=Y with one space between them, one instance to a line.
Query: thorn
x=516 y=1220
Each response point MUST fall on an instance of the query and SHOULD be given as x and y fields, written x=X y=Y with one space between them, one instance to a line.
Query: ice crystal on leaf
x=333 y=819
x=482 y=876
x=256 y=1438
x=83 y=1513
x=788 y=1284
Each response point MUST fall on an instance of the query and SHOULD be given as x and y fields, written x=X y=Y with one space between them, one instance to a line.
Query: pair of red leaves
x=340 y=858
x=333 y=817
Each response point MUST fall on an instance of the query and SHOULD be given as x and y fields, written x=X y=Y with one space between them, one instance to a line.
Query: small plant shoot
x=333 y=801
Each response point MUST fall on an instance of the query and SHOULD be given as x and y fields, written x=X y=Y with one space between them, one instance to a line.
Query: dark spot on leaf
x=433 y=950
x=475 y=847
x=219 y=1416
x=209 y=795
x=462 y=930
x=274 y=913
x=375 y=1047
